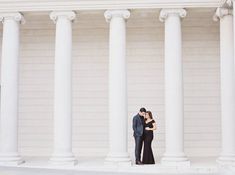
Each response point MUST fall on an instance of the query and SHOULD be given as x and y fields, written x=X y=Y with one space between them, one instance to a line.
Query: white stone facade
x=84 y=105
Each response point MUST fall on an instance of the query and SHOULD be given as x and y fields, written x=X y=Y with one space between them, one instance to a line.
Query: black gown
x=148 y=137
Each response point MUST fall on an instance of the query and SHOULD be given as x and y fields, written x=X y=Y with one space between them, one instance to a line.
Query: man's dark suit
x=138 y=127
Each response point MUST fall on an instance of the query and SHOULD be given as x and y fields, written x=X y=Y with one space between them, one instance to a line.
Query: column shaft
x=63 y=90
x=117 y=87
x=227 y=84
x=9 y=89
x=174 y=88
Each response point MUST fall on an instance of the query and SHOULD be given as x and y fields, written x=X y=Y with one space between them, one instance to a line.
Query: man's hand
x=147 y=128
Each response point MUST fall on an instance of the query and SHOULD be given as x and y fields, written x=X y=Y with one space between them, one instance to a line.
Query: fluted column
x=227 y=85
x=9 y=89
x=63 y=89
x=174 y=112
x=117 y=86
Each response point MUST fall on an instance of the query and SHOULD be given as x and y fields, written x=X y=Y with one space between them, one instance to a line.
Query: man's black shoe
x=139 y=163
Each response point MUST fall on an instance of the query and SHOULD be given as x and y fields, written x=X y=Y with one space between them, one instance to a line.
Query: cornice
x=73 y=5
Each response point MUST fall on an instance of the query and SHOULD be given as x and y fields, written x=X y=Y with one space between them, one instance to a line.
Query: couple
x=143 y=126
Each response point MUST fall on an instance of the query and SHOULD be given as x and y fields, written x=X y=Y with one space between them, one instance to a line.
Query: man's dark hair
x=142 y=110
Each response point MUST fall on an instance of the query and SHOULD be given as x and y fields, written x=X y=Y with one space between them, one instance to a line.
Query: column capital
x=221 y=12
x=166 y=12
x=70 y=15
x=14 y=16
x=229 y=2
x=109 y=14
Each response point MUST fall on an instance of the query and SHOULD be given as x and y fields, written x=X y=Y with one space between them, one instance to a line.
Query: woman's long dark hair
x=150 y=114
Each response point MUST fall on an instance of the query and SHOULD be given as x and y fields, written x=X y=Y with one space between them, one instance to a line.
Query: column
x=227 y=77
x=117 y=86
x=174 y=112
x=231 y=4
x=9 y=89
x=63 y=89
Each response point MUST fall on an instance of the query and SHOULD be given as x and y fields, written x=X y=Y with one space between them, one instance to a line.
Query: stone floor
x=96 y=166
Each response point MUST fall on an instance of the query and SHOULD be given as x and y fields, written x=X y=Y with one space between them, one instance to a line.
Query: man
x=138 y=127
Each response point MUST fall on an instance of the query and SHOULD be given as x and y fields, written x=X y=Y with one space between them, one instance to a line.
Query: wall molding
x=51 y=5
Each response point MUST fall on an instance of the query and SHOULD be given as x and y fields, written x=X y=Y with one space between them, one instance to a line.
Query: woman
x=150 y=126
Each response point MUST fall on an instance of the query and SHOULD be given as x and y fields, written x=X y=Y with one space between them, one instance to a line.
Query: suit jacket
x=138 y=125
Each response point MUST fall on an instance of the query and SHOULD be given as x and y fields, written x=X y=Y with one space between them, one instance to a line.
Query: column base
x=11 y=159
x=118 y=159
x=63 y=160
x=226 y=160
x=176 y=161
